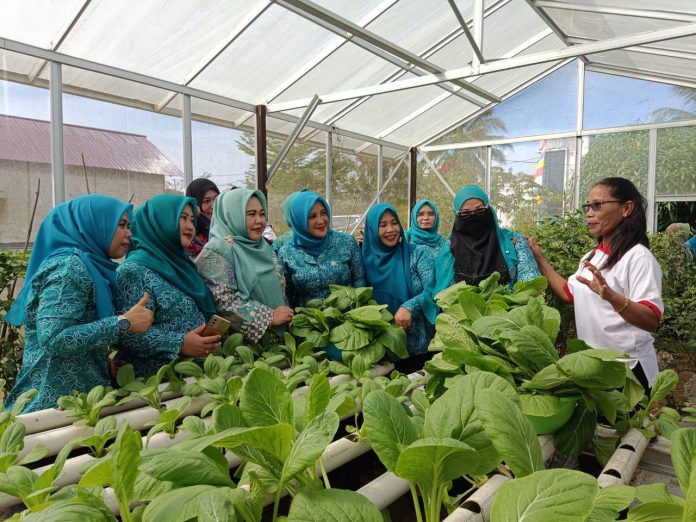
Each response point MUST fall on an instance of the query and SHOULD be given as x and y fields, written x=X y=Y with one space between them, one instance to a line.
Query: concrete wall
x=18 y=182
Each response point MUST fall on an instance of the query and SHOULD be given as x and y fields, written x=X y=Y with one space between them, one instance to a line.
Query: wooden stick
x=84 y=169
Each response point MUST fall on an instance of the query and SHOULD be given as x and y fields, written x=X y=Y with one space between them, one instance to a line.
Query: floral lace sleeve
x=527 y=267
x=422 y=270
x=247 y=316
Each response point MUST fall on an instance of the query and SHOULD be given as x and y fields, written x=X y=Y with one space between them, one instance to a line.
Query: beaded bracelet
x=625 y=305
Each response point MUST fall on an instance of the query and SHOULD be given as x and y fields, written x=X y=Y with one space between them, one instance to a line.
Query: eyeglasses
x=597 y=205
x=474 y=212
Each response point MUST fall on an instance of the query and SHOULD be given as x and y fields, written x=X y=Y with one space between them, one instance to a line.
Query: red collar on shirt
x=604 y=248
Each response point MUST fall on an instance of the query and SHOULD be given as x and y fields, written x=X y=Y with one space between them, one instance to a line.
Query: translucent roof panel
x=37 y=22
x=15 y=64
x=354 y=10
x=218 y=114
x=685 y=68
x=263 y=55
x=165 y=41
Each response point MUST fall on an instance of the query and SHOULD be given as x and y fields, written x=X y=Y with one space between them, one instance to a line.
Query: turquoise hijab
x=156 y=244
x=286 y=205
x=417 y=235
x=253 y=262
x=300 y=209
x=444 y=264
x=83 y=226
x=387 y=269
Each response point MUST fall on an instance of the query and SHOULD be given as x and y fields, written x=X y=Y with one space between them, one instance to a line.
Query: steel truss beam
x=500 y=65
x=656 y=14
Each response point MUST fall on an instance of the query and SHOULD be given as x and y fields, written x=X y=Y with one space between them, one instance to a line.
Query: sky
x=544 y=107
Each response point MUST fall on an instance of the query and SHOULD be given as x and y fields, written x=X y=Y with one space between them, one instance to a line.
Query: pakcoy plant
x=466 y=433
x=565 y=495
x=512 y=335
x=354 y=323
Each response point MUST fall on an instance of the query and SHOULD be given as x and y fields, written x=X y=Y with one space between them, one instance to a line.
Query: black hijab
x=198 y=188
x=476 y=249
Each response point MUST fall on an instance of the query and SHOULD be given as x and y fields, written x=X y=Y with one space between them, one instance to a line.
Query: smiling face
x=318 y=220
x=389 y=229
x=187 y=228
x=425 y=217
x=121 y=240
x=207 y=203
x=255 y=219
x=603 y=222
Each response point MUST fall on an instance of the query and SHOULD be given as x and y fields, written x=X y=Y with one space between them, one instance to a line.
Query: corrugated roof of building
x=25 y=139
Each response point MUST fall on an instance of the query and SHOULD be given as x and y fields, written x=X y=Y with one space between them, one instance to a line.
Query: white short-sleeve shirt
x=638 y=276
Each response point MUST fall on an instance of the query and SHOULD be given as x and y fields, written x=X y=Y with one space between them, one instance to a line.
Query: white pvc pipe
x=477 y=508
x=385 y=489
x=623 y=463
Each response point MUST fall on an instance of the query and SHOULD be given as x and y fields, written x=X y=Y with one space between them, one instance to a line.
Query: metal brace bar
x=436 y=172
x=392 y=172
x=313 y=104
x=467 y=33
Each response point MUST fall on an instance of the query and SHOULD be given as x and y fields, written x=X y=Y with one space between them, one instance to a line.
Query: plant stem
x=277 y=502
x=416 y=504
x=323 y=473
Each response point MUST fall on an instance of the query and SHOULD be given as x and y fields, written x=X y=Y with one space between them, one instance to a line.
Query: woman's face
x=389 y=230
x=187 y=228
x=425 y=217
x=255 y=218
x=318 y=220
x=603 y=221
x=121 y=240
x=471 y=207
x=207 y=204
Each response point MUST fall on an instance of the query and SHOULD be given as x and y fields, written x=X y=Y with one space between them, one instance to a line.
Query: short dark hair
x=633 y=229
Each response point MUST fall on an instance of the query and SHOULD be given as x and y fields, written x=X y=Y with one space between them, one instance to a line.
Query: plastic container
x=553 y=423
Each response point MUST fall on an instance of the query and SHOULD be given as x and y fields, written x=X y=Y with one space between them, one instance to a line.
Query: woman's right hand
x=535 y=248
x=282 y=315
x=140 y=318
x=196 y=345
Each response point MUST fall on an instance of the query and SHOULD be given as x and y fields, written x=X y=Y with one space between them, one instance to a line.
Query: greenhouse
x=435 y=260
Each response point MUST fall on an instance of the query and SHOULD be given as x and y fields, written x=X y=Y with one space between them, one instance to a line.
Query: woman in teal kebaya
x=399 y=272
x=240 y=268
x=66 y=305
x=159 y=264
x=425 y=221
x=317 y=256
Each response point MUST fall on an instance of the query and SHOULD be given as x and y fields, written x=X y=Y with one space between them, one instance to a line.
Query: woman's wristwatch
x=123 y=324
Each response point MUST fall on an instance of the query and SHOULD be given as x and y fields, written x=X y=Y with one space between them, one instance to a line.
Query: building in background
x=127 y=166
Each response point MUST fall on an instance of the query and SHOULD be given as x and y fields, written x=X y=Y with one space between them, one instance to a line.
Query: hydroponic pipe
x=385 y=489
x=477 y=508
x=623 y=463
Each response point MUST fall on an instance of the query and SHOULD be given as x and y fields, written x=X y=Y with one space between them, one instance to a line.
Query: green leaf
x=557 y=495
x=183 y=468
x=548 y=378
x=433 y=462
x=473 y=305
x=318 y=398
x=683 y=451
x=690 y=503
x=591 y=372
x=540 y=405
x=656 y=512
x=125 y=459
x=610 y=501
x=664 y=383
x=310 y=444
x=510 y=431
x=533 y=345
x=125 y=375
x=70 y=511
x=577 y=433
x=609 y=402
x=388 y=427
x=202 y=503
x=264 y=399
x=655 y=493
x=332 y=505
x=633 y=389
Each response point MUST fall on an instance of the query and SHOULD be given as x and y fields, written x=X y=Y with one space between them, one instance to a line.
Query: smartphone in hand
x=216 y=326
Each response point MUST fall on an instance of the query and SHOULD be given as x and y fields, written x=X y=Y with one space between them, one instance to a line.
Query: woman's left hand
x=403 y=318
x=598 y=284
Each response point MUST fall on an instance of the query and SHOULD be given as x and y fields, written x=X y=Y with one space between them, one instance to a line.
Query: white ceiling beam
x=216 y=51
x=672 y=79
x=656 y=51
x=513 y=52
x=654 y=14
x=58 y=41
x=465 y=28
x=313 y=12
x=499 y=65
x=551 y=23
x=478 y=33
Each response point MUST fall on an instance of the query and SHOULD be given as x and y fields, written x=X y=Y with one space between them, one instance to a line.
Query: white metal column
x=579 y=125
x=329 y=167
x=57 y=163
x=188 y=146
x=380 y=171
x=652 y=173
x=487 y=176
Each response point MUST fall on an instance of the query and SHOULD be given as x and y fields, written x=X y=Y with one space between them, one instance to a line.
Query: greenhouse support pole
x=652 y=176
x=578 y=172
x=413 y=174
x=380 y=171
x=487 y=175
x=261 y=159
x=329 y=167
x=579 y=125
x=57 y=163
x=188 y=146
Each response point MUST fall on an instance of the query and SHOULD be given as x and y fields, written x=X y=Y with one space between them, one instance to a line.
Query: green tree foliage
x=12 y=266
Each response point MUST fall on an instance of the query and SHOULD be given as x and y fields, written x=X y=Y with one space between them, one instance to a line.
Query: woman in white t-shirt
x=617 y=290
